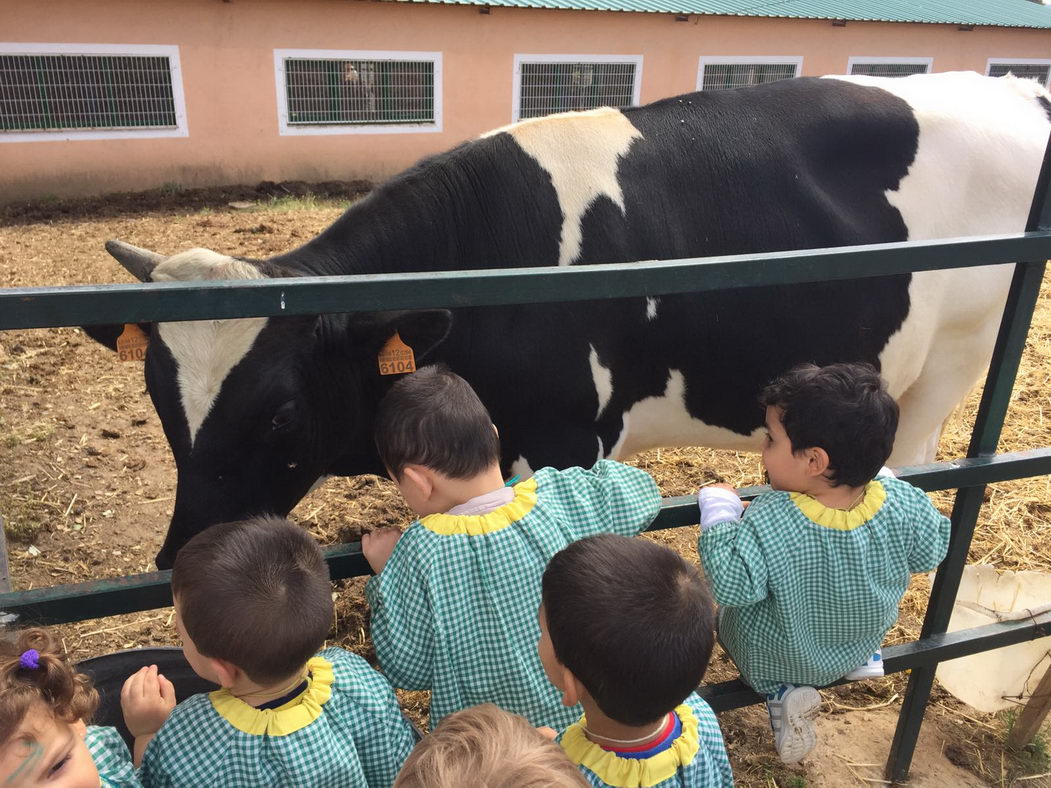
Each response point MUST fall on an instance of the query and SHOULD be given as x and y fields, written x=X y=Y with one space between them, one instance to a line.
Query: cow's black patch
x=797 y=164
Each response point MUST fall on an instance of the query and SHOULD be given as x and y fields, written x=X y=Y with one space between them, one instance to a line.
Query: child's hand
x=547 y=733
x=718 y=504
x=722 y=486
x=378 y=546
x=147 y=699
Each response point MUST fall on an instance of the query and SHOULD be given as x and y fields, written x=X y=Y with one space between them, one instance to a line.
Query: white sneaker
x=792 y=712
x=872 y=669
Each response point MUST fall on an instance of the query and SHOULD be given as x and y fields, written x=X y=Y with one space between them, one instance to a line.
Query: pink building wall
x=227 y=60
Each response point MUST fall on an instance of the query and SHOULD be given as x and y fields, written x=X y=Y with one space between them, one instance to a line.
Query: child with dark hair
x=627 y=628
x=44 y=707
x=253 y=605
x=454 y=598
x=810 y=575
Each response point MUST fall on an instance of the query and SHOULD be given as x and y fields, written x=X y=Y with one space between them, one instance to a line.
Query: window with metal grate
x=1023 y=69
x=55 y=92
x=887 y=69
x=723 y=76
x=359 y=92
x=547 y=86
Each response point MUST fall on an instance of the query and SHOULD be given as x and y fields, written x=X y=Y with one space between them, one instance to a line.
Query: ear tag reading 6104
x=132 y=343
x=395 y=357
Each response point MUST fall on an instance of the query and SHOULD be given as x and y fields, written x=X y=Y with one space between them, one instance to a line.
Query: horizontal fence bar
x=168 y=301
x=907 y=656
x=63 y=604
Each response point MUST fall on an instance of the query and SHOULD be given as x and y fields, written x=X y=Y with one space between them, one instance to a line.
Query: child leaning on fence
x=627 y=631
x=810 y=577
x=44 y=705
x=253 y=604
x=455 y=597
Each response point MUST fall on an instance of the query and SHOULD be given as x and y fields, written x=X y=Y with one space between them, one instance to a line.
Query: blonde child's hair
x=487 y=746
x=69 y=696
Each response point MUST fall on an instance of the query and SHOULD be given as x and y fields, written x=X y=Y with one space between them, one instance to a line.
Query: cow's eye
x=284 y=416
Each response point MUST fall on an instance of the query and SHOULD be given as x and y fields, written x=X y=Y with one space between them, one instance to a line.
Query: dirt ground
x=87 y=482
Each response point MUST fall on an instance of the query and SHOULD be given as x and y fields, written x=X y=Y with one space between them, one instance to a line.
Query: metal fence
x=342 y=91
x=64 y=306
x=723 y=76
x=561 y=87
x=52 y=91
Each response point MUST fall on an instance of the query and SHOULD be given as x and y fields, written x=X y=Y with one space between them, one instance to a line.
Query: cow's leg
x=929 y=402
x=555 y=445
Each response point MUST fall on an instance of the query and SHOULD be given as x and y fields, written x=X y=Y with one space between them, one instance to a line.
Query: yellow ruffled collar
x=629 y=772
x=496 y=520
x=289 y=718
x=839 y=519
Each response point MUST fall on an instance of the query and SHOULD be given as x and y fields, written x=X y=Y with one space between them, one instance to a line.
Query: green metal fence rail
x=24 y=308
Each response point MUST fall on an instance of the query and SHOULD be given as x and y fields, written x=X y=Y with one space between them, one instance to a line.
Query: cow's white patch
x=521 y=469
x=580 y=151
x=205 y=350
x=664 y=421
x=651 y=308
x=979 y=151
x=603 y=378
x=616 y=452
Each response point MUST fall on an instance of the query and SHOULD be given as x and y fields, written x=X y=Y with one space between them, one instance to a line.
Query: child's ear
x=572 y=690
x=226 y=672
x=420 y=478
x=817 y=460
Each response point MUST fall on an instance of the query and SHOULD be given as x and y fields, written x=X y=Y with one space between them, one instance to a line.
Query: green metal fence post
x=1003 y=368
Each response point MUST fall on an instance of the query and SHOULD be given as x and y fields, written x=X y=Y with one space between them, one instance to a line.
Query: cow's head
x=256 y=410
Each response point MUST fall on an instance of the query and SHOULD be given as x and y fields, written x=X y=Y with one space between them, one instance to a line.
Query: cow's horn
x=139 y=262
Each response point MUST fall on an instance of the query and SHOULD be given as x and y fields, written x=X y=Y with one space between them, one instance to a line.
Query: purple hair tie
x=30 y=660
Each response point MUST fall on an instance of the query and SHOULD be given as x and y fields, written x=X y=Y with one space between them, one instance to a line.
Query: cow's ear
x=107 y=334
x=422 y=330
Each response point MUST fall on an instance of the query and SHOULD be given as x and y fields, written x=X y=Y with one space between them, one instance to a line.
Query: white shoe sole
x=799 y=708
x=865 y=672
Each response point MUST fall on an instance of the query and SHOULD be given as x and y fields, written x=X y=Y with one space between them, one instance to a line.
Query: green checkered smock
x=345 y=729
x=455 y=609
x=696 y=758
x=807 y=592
x=112 y=758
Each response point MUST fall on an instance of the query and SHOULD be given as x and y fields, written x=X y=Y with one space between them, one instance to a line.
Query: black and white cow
x=257 y=410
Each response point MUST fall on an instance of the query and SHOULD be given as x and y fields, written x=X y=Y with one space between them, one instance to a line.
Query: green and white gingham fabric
x=803 y=603
x=457 y=613
x=709 y=767
x=112 y=758
x=360 y=739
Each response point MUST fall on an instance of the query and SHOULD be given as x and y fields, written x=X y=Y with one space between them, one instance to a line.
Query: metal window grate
x=347 y=92
x=1037 y=71
x=887 y=69
x=723 y=76
x=561 y=87
x=55 y=92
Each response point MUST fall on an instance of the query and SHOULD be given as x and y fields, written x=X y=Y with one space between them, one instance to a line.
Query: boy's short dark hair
x=632 y=621
x=842 y=408
x=433 y=418
x=255 y=593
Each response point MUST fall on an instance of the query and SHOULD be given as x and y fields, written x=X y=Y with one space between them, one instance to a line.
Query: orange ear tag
x=132 y=343
x=395 y=357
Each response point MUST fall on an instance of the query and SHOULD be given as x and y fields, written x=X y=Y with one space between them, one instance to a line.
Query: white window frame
x=875 y=61
x=1019 y=61
x=741 y=60
x=181 y=129
x=292 y=130
x=516 y=93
